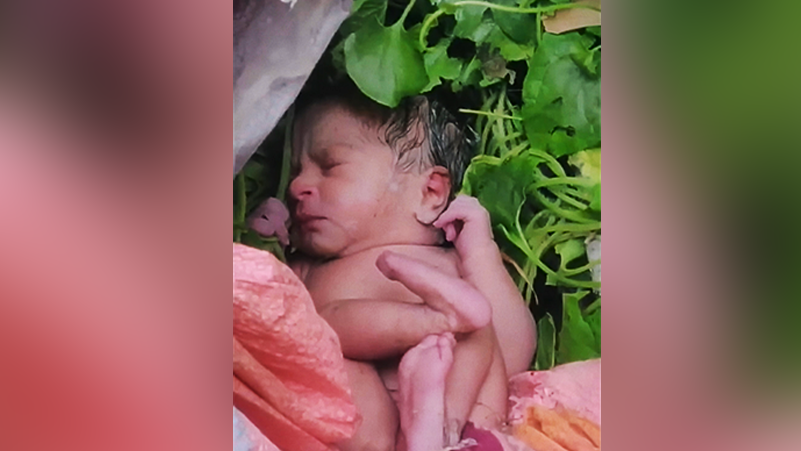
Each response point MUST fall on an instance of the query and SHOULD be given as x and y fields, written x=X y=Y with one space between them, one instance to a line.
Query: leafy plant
x=534 y=99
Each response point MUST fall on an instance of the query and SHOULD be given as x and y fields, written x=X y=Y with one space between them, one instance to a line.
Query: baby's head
x=366 y=175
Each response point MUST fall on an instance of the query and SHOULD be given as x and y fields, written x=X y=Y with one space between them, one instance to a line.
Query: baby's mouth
x=304 y=220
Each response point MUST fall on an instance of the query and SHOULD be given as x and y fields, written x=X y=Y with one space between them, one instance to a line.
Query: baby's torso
x=357 y=276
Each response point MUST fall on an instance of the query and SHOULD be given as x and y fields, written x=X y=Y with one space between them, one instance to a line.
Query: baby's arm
x=482 y=266
x=476 y=350
x=466 y=386
x=371 y=329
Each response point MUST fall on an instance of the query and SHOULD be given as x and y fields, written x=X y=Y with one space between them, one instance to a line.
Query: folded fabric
x=559 y=409
x=289 y=376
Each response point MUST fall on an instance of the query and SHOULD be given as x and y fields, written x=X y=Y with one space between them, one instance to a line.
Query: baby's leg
x=379 y=426
x=491 y=405
x=421 y=374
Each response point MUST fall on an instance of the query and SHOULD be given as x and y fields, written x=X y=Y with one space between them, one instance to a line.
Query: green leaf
x=471 y=24
x=562 y=99
x=470 y=76
x=595 y=203
x=546 y=343
x=500 y=184
x=440 y=66
x=508 y=49
x=588 y=163
x=552 y=49
x=522 y=28
x=356 y=5
x=576 y=339
x=593 y=319
x=385 y=63
x=361 y=12
x=569 y=251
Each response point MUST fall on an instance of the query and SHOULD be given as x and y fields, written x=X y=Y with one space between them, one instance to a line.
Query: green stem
x=500 y=132
x=554 y=165
x=530 y=10
x=485 y=126
x=564 y=197
x=490 y=114
x=572 y=228
x=567 y=214
x=514 y=126
x=574 y=181
x=552 y=240
x=539 y=28
x=286 y=158
x=241 y=199
x=427 y=23
x=593 y=307
x=559 y=193
x=406 y=12
x=581 y=269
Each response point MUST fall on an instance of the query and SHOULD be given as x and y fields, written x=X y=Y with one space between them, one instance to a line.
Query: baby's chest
x=357 y=278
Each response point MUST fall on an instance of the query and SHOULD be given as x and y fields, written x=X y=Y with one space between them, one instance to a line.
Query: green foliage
x=500 y=184
x=562 y=95
x=577 y=340
x=546 y=343
x=373 y=56
x=363 y=11
x=441 y=66
x=522 y=28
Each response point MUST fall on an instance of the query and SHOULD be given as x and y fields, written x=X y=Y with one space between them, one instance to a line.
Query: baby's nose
x=300 y=188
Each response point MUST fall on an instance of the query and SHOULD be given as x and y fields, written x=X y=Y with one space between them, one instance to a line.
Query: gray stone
x=276 y=46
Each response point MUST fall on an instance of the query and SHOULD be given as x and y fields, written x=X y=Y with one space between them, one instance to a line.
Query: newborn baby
x=371 y=207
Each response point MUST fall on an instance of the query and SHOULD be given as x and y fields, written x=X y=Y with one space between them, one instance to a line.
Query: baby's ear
x=436 y=190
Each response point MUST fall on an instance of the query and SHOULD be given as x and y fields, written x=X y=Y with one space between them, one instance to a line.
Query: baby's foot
x=421 y=376
x=270 y=218
x=465 y=308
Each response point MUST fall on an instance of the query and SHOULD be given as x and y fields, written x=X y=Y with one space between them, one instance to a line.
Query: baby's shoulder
x=357 y=276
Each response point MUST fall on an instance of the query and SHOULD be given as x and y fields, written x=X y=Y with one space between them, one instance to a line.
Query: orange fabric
x=289 y=376
x=544 y=429
x=558 y=409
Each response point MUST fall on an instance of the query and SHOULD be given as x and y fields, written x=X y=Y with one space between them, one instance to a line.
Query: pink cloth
x=575 y=386
x=289 y=375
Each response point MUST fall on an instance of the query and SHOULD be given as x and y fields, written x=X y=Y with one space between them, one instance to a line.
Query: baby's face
x=346 y=194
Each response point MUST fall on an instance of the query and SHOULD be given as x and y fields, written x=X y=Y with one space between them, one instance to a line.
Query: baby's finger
x=450 y=231
x=449 y=216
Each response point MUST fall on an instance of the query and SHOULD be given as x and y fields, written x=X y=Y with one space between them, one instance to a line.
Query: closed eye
x=328 y=165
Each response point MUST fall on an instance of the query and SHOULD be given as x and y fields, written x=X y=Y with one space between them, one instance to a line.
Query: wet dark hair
x=420 y=131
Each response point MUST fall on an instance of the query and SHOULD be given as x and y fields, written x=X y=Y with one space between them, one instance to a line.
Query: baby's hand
x=467 y=225
x=271 y=218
